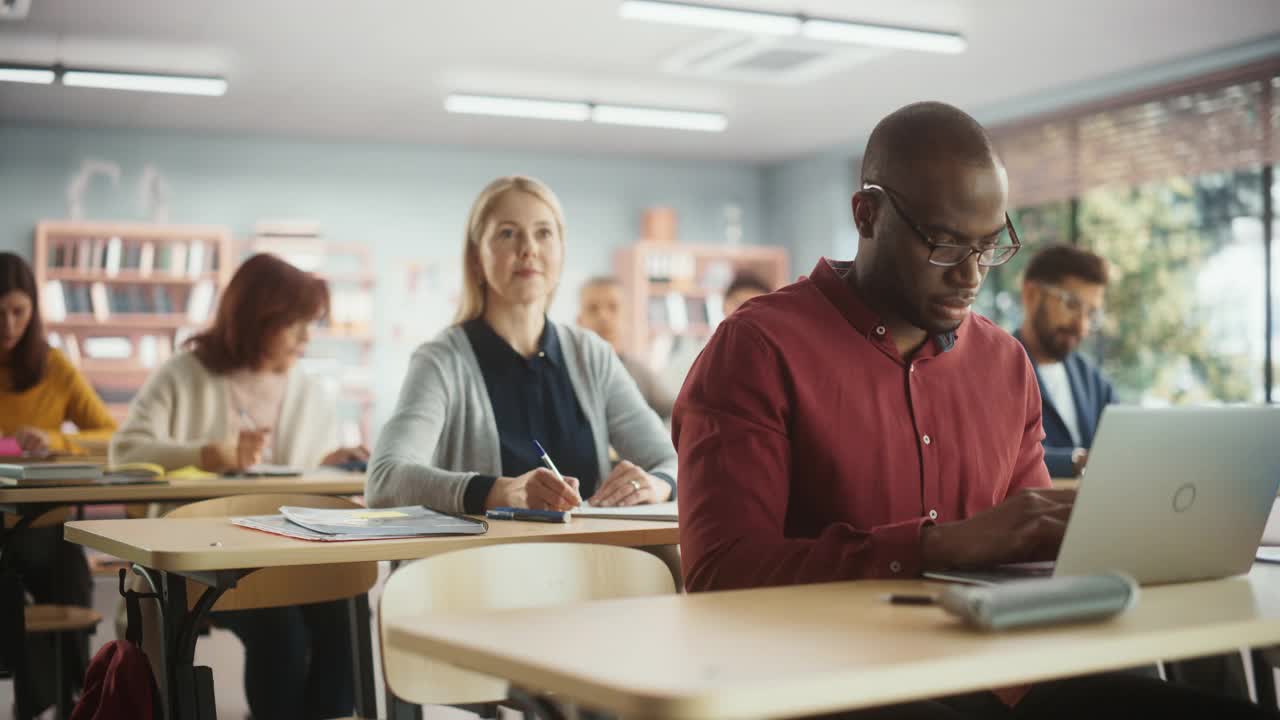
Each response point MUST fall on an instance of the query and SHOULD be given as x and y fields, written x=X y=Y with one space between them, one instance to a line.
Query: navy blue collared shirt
x=532 y=399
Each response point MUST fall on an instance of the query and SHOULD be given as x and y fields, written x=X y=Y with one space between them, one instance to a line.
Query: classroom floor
x=221 y=651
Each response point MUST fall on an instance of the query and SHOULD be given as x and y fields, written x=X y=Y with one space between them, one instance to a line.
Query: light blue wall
x=806 y=208
x=408 y=202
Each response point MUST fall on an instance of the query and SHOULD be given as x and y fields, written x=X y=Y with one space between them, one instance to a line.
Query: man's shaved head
x=936 y=180
x=910 y=142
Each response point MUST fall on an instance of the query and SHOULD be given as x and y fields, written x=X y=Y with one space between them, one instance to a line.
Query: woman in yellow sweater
x=39 y=391
x=39 y=388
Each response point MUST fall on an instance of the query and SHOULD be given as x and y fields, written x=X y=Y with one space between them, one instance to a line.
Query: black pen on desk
x=511 y=513
x=912 y=599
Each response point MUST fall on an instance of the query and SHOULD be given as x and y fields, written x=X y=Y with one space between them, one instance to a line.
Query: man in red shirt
x=862 y=423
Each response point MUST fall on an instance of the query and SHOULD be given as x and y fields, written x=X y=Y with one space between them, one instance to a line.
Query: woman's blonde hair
x=471 y=304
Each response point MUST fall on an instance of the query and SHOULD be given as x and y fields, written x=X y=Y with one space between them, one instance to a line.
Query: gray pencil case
x=1043 y=601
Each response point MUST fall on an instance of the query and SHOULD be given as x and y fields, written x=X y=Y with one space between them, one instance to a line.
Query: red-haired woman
x=222 y=406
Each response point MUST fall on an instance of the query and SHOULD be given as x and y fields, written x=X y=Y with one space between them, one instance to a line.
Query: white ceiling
x=379 y=69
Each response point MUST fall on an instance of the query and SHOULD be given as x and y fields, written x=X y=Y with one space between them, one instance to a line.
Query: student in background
x=477 y=397
x=233 y=397
x=39 y=391
x=600 y=311
x=745 y=285
x=864 y=424
x=1062 y=294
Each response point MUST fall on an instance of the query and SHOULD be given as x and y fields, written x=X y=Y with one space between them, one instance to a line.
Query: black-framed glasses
x=1000 y=251
x=1075 y=305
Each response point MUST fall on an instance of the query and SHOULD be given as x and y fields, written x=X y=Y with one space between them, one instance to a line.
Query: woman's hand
x=629 y=485
x=342 y=456
x=33 y=441
x=247 y=450
x=537 y=489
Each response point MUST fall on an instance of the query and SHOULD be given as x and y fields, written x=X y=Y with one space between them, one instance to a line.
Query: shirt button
x=541 y=354
x=895 y=566
x=933 y=514
x=927 y=440
x=879 y=329
x=913 y=367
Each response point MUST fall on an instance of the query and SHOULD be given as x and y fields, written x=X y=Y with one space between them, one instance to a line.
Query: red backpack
x=119 y=684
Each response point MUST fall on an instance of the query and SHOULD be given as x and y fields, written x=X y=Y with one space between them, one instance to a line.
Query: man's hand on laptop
x=1026 y=527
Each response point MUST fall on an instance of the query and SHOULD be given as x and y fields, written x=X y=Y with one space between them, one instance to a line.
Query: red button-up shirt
x=811 y=451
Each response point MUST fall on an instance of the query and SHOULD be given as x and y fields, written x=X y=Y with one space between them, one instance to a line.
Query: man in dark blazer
x=1062 y=295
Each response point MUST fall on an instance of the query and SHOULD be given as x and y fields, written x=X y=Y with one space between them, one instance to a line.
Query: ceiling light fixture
x=883 y=36
x=657 y=118
x=518 y=107
x=35 y=76
x=146 y=82
x=710 y=16
x=768 y=23
x=581 y=111
x=114 y=79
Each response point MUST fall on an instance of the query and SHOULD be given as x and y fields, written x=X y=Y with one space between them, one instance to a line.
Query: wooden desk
x=191 y=545
x=820 y=648
x=321 y=483
x=217 y=553
x=30 y=503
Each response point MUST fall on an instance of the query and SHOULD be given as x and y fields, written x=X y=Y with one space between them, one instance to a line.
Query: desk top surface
x=818 y=648
x=201 y=544
x=320 y=483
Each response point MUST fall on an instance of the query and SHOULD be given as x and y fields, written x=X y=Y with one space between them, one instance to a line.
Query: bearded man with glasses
x=1062 y=296
x=863 y=423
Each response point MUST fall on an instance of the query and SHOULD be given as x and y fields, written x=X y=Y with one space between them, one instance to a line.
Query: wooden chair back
x=498 y=577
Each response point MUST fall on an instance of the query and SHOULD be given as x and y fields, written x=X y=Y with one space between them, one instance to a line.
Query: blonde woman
x=479 y=398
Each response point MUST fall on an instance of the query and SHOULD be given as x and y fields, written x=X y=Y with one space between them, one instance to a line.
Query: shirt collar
x=829 y=276
x=490 y=347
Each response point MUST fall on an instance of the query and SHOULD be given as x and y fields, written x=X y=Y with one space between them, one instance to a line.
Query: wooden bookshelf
x=656 y=275
x=341 y=350
x=126 y=288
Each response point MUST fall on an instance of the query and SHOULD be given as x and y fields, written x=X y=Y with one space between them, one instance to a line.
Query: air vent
x=754 y=58
x=14 y=9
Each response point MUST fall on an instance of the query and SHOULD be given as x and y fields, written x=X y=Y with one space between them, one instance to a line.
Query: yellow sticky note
x=378 y=514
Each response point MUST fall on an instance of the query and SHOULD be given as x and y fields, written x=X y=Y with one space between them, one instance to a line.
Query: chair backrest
x=498 y=577
x=49 y=518
x=281 y=586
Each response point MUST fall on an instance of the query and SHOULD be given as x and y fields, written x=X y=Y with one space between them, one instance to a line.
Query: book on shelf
x=103 y=347
x=112 y=258
x=200 y=302
x=177 y=259
x=195 y=259
x=146 y=258
x=98 y=298
x=53 y=301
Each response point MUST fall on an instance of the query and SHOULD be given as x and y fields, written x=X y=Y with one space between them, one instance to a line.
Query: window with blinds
x=1225 y=122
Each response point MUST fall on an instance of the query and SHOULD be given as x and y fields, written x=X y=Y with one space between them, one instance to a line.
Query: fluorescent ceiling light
x=769 y=23
x=883 y=36
x=36 y=76
x=658 y=118
x=518 y=107
x=710 y=16
x=179 y=84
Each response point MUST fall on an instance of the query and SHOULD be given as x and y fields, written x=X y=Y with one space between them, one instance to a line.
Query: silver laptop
x=1170 y=495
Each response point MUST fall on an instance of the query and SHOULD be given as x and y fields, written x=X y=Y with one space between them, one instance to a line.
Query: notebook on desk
x=1171 y=495
x=47 y=474
x=656 y=511
x=337 y=525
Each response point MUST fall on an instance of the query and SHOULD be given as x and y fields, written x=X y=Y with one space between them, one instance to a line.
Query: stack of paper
x=656 y=511
x=361 y=524
x=48 y=474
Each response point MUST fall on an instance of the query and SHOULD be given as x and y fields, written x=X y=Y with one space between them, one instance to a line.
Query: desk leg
x=1264 y=679
x=190 y=688
x=535 y=705
x=13 y=639
x=362 y=645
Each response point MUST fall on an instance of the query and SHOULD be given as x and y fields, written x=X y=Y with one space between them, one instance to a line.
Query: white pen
x=546 y=460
